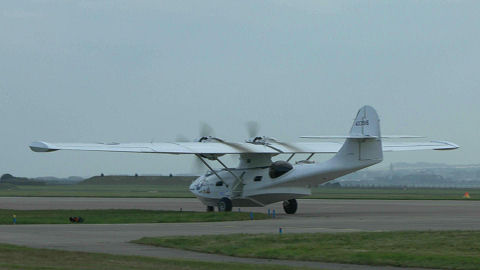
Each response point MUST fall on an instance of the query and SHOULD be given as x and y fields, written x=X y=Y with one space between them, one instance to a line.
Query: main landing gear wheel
x=210 y=209
x=224 y=205
x=290 y=206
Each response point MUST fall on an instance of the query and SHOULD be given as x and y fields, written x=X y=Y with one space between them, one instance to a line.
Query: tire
x=210 y=209
x=290 y=206
x=224 y=205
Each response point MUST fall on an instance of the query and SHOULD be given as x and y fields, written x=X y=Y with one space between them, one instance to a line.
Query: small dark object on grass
x=75 y=219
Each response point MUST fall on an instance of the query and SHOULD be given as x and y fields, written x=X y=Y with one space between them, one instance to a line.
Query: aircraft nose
x=194 y=185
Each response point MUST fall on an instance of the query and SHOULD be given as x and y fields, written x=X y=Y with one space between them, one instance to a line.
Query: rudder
x=363 y=147
x=366 y=124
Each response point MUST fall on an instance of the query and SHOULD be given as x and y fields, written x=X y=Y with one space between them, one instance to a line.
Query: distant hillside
x=13 y=180
x=51 y=180
x=138 y=180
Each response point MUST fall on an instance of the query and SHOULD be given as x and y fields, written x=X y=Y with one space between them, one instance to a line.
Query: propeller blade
x=285 y=144
x=206 y=130
x=253 y=128
x=197 y=166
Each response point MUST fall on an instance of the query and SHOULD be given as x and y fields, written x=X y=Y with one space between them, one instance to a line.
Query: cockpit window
x=257 y=178
x=219 y=184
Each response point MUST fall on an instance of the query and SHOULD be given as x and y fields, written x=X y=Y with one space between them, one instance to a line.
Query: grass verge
x=97 y=190
x=17 y=257
x=429 y=249
x=112 y=216
x=394 y=193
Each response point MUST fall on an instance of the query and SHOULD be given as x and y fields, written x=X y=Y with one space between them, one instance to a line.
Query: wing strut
x=211 y=169
x=311 y=155
x=291 y=156
x=238 y=179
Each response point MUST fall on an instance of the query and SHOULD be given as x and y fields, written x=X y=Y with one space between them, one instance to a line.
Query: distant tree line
x=10 y=179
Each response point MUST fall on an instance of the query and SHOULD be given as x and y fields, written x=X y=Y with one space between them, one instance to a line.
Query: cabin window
x=219 y=184
x=278 y=168
x=257 y=178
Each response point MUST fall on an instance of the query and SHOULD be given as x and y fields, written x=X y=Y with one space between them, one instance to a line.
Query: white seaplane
x=257 y=181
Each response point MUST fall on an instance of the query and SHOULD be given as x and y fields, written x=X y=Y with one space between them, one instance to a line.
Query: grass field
x=84 y=190
x=394 y=193
x=16 y=257
x=431 y=249
x=119 y=216
x=181 y=191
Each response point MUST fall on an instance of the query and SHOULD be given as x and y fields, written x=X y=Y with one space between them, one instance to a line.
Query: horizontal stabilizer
x=408 y=146
x=363 y=137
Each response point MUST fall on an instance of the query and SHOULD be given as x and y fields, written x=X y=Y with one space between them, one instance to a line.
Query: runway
x=312 y=216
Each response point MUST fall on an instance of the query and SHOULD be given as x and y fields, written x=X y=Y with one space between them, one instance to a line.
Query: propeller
x=252 y=128
x=204 y=131
x=198 y=167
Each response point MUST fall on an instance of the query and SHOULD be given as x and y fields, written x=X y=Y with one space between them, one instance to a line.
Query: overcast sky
x=137 y=71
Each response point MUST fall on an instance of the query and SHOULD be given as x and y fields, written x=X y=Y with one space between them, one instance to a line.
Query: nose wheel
x=224 y=205
x=210 y=209
x=290 y=206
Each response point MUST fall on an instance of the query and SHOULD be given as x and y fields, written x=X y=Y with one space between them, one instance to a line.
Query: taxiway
x=313 y=216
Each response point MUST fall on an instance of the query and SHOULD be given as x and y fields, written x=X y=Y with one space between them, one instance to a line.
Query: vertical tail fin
x=363 y=147
x=366 y=123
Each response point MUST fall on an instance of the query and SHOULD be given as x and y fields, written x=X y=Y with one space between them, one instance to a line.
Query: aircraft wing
x=192 y=147
x=231 y=148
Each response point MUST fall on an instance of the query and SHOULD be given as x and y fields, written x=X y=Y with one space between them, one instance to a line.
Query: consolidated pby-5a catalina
x=257 y=180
